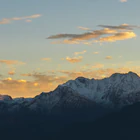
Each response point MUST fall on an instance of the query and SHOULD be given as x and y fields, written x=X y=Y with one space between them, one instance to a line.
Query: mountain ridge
x=116 y=91
x=78 y=109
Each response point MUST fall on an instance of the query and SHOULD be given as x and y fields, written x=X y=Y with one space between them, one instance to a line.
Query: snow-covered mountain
x=116 y=91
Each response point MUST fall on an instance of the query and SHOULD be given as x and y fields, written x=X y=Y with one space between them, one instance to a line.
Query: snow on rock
x=116 y=89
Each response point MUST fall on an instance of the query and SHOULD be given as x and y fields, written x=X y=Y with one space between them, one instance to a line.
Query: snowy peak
x=62 y=97
x=133 y=76
x=130 y=76
x=82 y=79
x=115 y=89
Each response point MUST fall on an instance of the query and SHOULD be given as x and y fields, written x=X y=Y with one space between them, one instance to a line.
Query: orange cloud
x=24 y=88
x=26 y=18
x=11 y=72
x=46 y=59
x=26 y=74
x=95 y=52
x=94 y=34
x=84 y=36
x=77 y=53
x=17 y=88
x=123 y=0
x=118 y=36
x=41 y=83
x=74 y=59
x=83 y=28
x=42 y=78
x=36 y=84
x=108 y=57
x=98 y=66
x=11 y=62
x=22 y=81
x=66 y=41
x=111 y=33
x=99 y=73
x=8 y=79
x=47 y=82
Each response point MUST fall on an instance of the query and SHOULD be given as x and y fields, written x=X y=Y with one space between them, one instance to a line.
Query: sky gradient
x=44 y=43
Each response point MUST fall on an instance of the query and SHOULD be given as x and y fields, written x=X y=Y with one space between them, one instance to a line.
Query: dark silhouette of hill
x=121 y=125
x=71 y=113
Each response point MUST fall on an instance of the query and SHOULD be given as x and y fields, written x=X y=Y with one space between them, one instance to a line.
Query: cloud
x=17 y=88
x=47 y=82
x=87 y=43
x=22 y=81
x=77 y=53
x=46 y=59
x=8 y=79
x=36 y=84
x=108 y=57
x=26 y=18
x=120 y=27
x=5 y=21
x=74 y=59
x=99 y=73
x=118 y=36
x=26 y=74
x=84 y=36
x=11 y=72
x=109 y=33
x=83 y=28
x=43 y=82
x=46 y=78
x=25 y=88
x=66 y=41
x=95 y=52
x=123 y=1
x=11 y=62
x=96 y=66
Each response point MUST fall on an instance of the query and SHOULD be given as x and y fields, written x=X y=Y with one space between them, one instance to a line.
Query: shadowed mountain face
x=81 y=108
x=122 y=125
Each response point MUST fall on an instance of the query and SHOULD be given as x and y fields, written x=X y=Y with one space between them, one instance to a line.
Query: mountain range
x=114 y=92
x=76 y=104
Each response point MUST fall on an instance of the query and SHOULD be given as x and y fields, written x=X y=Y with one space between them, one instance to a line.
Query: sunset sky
x=44 y=43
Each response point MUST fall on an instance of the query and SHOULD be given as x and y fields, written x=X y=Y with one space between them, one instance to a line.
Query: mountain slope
x=117 y=90
x=122 y=125
x=114 y=92
x=78 y=109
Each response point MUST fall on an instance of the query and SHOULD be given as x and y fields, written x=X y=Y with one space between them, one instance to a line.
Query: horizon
x=65 y=82
x=46 y=43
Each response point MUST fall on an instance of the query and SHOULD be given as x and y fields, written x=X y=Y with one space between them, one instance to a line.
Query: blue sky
x=34 y=58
